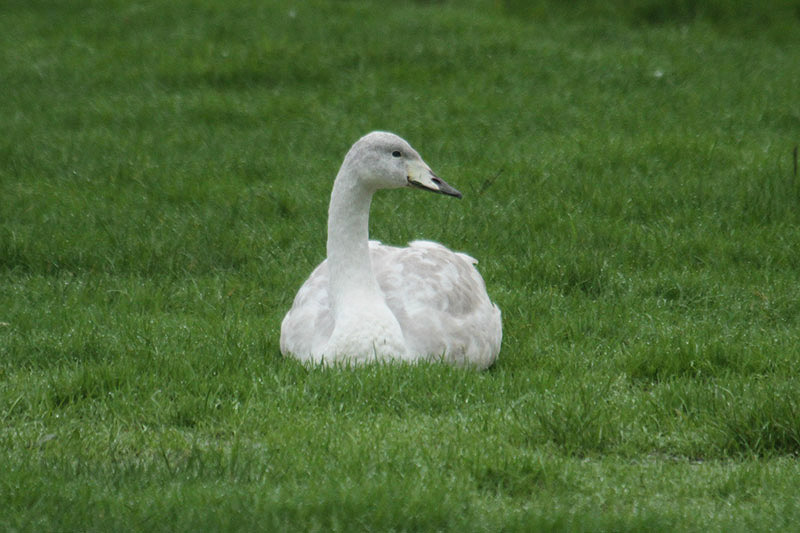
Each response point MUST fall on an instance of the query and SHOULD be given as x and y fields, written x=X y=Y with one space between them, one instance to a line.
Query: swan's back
x=440 y=300
x=437 y=296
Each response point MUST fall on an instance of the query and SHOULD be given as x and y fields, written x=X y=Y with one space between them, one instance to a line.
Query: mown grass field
x=629 y=190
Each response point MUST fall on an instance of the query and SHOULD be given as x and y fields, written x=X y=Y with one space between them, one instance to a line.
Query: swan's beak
x=422 y=177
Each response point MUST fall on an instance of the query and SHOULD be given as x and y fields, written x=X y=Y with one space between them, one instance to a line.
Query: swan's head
x=382 y=160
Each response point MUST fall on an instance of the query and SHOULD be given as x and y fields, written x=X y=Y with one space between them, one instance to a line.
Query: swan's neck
x=350 y=268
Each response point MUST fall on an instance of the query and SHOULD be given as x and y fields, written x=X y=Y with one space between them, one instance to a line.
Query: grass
x=629 y=191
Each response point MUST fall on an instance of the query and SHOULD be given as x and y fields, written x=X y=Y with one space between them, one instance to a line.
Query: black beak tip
x=443 y=187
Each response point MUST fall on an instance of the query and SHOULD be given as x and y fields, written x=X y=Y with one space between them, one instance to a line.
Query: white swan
x=368 y=301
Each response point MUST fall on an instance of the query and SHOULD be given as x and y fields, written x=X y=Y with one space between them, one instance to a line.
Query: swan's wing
x=308 y=324
x=440 y=300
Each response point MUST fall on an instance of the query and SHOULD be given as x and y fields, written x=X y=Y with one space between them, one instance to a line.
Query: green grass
x=628 y=189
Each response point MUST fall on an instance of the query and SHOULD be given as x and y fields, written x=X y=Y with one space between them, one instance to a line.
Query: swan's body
x=368 y=301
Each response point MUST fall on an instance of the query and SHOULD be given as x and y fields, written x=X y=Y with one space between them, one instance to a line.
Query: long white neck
x=351 y=275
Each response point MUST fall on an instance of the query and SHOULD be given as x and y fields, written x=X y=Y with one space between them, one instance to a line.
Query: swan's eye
x=396 y=153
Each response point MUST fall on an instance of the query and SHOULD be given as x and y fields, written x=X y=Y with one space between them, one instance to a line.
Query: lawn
x=631 y=191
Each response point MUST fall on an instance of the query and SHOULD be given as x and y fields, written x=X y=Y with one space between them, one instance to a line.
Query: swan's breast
x=308 y=325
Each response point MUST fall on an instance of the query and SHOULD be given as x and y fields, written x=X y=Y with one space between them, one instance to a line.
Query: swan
x=368 y=301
